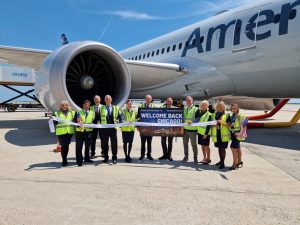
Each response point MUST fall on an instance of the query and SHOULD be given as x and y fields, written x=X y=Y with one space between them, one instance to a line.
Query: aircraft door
x=244 y=37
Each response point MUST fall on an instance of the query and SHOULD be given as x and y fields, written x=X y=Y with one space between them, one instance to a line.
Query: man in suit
x=148 y=104
x=83 y=134
x=96 y=131
x=167 y=149
x=110 y=115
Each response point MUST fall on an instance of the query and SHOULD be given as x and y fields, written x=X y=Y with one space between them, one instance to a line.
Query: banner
x=137 y=124
x=164 y=116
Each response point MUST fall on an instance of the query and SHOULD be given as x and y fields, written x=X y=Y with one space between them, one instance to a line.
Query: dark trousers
x=167 y=150
x=145 y=139
x=83 y=137
x=64 y=152
x=95 y=133
x=110 y=133
x=64 y=141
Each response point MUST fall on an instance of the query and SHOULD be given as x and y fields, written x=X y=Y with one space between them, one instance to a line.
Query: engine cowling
x=79 y=71
x=252 y=103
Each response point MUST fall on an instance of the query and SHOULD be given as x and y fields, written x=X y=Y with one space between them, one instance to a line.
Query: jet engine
x=252 y=103
x=79 y=71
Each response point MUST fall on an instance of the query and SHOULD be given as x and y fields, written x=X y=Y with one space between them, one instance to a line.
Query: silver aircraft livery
x=252 y=51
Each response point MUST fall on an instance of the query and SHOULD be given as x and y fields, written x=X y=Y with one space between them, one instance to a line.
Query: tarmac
x=35 y=189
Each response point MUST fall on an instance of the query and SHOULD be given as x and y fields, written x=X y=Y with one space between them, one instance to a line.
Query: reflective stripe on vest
x=204 y=118
x=86 y=120
x=128 y=118
x=143 y=105
x=103 y=113
x=225 y=132
x=165 y=107
x=189 y=116
x=63 y=128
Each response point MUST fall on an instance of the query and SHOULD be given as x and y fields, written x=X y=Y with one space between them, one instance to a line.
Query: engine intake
x=81 y=70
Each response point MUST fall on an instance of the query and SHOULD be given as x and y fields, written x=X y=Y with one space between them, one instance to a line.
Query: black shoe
x=222 y=166
x=129 y=159
x=149 y=157
x=206 y=162
x=114 y=161
x=105 y=161
x=79 y=164
x=93 y=157
x=185 y=159
x=233 y=168
x=219 y=163
x=88 y=161
x=170 y=158
x=163 y=157
x=141 y=158
x=240 y=164
x=64 y=162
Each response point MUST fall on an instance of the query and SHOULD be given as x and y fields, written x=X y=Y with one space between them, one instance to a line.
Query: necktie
x=97 y=109
x=86 y=113
x=108 y=110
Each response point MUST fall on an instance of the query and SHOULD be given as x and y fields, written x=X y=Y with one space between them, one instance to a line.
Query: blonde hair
x=237 y=107
x=220 y=104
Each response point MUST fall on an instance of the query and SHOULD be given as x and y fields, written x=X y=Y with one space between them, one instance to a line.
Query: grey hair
x=204 y=102
x=63 y=102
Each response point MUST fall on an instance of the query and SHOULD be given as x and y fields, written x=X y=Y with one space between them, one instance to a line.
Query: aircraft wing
x=140 y=71
x=26 y=57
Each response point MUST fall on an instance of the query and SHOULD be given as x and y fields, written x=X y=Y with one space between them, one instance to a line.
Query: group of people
x=225 y=130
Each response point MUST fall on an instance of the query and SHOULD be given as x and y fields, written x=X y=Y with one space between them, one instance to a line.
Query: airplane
x=249 y=52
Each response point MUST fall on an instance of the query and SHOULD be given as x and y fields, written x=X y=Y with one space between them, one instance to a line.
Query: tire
x=11 y=108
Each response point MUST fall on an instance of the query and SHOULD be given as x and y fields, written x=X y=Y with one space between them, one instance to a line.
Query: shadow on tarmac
x=50 y=165
x=155 y=164
x=287 y=138
x=28 y=133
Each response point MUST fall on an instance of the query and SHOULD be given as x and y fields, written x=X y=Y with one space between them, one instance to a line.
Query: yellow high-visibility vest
x=103 y=113
x=189 y=116
x=204 y=118
x=143 y=105
x=93 y=108
x=129 y=117
x=225 y=132
x=64 y=128
x=237 y=125
x=86 y=120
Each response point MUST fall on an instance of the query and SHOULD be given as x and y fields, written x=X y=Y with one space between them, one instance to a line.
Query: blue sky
x=119 y=23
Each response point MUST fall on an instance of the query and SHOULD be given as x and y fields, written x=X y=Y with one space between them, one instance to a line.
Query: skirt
x=219 y=143
x=127 y=136
x=204 y=142
x=235 y=143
